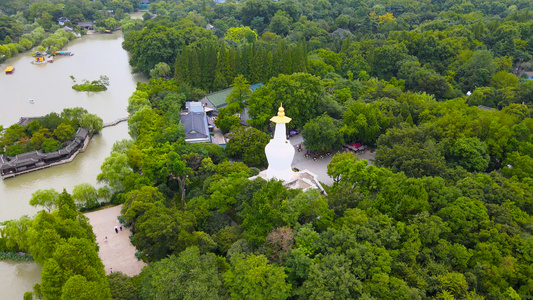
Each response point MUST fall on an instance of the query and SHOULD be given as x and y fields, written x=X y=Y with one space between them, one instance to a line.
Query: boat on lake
x=63 y=53
x=10 y=70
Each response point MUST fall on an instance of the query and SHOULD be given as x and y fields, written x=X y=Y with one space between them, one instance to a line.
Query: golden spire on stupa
x=280 y=118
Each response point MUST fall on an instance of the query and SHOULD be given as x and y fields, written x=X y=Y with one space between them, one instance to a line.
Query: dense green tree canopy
x=299 y=93
x=444 y=212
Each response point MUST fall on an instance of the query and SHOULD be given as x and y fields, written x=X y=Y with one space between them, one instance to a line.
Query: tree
x=307 y=207
x=152 y=45
x=363 y=122
x=15 y=235
x=136 y=101
x=356 y=173
x=92 y=123
x=280 y=23
x=146 y=121
x=421 y=79
x=266 y=210
x=465 y=217
x=46 y=198
x=248 y=144
x=85 y=195
x=159 y=231
x=415 y=160
x=115 y=169
x=64 y=132
x=330 y=278
x=78 y=287
x=518 y=165
x=241 y=34
x=179 y=171
x=137 y=201
x=252 y=277
x=73 y=114
x=189 y=275
x=503 y=79
x=51 y=145
x=53 y=278
x=477 y=71
x=322 y=134
x=240 y=92
x=121 y=286
x=12 y=134
x=301 y=95
x=278 y=244
x=404 y=198
x=110 y=24
x=469 y=153
x=103 y=81
x=226 y=121
x=384 y=60
x=104 y=193
x=161 y=70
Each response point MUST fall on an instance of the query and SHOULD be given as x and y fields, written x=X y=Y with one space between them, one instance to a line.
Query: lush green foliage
x=248 y=144
x=444 y=213
x=93 y=86
x=13 y=256
x=49 y=133
x=25 y=25
x=63 y=242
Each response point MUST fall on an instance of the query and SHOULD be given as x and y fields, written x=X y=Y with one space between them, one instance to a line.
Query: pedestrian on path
x=120 y=227
x=116 y=229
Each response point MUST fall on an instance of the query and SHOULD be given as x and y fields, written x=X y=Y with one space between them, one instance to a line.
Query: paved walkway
x=117 y=254
x=218 y=137
x=319 y=166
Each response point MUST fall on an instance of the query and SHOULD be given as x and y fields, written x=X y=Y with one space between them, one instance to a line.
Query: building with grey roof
x=195 y=123
x=35 y=160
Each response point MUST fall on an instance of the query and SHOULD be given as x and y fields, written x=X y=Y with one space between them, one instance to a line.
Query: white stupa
x=280 y=153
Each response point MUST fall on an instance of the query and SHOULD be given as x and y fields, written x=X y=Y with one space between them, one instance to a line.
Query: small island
x=92 y=86
x=37 y=143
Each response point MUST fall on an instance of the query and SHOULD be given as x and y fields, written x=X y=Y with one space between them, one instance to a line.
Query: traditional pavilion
x=280 y=153
x=39 y=57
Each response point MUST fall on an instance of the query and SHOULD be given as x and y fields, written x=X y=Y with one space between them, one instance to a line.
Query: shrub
x=51 y=145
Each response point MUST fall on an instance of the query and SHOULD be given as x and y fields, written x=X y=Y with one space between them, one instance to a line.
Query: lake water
x=50 y=86
x=16 y=278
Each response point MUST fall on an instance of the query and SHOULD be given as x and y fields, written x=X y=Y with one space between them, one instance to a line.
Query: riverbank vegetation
x=15 y=256
x=24 y=26
x=98 y=85
x=49 y=133
x=61 y=239
x=439 y=88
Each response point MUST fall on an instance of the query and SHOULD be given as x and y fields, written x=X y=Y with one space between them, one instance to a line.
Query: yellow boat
x=10 y=70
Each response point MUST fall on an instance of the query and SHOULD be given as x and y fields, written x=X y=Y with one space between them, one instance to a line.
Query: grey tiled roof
x=195 y=125
x=36 y=157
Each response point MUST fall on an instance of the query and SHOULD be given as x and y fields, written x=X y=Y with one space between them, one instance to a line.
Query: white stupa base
x=282 y=175
x=297 y=180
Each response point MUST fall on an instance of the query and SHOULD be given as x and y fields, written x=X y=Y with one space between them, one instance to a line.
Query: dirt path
x=117 y=253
